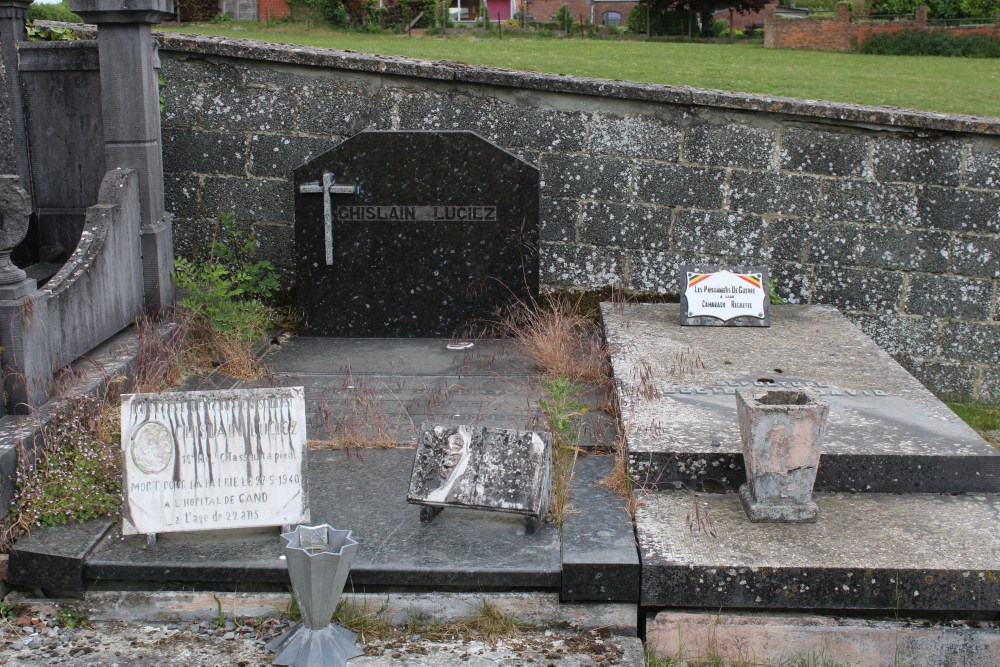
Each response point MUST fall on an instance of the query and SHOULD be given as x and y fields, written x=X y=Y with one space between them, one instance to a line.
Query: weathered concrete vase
x=319 y=558
x=781 y=431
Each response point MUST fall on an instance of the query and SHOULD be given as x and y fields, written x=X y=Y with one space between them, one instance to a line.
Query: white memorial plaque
x=725 y=297
x=204 y=460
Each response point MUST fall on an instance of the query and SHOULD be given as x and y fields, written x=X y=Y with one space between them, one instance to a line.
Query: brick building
x=598 y=12
x=755 y=19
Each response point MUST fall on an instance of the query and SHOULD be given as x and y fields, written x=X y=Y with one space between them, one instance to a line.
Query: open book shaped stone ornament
x=494 y=469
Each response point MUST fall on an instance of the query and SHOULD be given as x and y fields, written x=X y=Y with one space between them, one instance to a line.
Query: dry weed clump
x=363 y=418
x=619 y=480
x=560 y=338
x=161 y=358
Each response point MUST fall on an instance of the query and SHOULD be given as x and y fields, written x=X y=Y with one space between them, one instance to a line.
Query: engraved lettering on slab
x=417 y=213
x=717 y=296
x=215 y=459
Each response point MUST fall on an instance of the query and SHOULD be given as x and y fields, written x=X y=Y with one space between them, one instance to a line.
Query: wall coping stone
x=446 y=70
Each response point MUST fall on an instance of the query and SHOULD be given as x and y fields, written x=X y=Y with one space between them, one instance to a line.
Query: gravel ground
x=40 y=640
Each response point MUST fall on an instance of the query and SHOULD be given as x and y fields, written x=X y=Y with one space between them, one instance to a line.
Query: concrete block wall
x=892 y=216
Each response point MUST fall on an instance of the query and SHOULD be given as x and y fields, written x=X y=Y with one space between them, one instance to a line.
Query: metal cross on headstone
x=328 y=187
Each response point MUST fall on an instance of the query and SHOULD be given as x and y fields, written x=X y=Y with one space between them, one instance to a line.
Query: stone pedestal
x=131 y=114
x=26 y=362
x=781 y=431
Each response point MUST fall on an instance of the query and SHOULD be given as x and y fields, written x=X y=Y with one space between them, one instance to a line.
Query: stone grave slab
x=943 y=550
x=383 y=390
x=215 y=459
x=409 y=234
x=476 y=467
x=398 y=357
x=886 y=432
x=363 y=491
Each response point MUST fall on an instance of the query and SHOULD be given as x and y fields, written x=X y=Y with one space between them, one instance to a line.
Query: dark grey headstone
x=428 y=233
x=484 y=468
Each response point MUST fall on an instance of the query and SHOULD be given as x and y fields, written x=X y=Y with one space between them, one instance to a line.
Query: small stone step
x=865 y=551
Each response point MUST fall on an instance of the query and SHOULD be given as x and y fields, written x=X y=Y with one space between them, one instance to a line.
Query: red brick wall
x=841 y=34
x=268 y=10
x=544 y=10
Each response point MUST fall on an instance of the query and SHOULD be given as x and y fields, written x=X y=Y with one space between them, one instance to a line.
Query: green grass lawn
x=955 y=85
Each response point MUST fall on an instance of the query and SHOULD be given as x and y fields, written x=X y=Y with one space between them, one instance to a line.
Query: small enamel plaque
x=720 y=296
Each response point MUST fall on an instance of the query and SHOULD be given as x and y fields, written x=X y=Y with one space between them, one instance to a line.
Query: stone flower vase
x=319 y=559
x=781 y=429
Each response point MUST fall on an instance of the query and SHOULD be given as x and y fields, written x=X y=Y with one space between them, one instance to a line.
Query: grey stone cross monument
x=131 y=113
x=329 y=186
